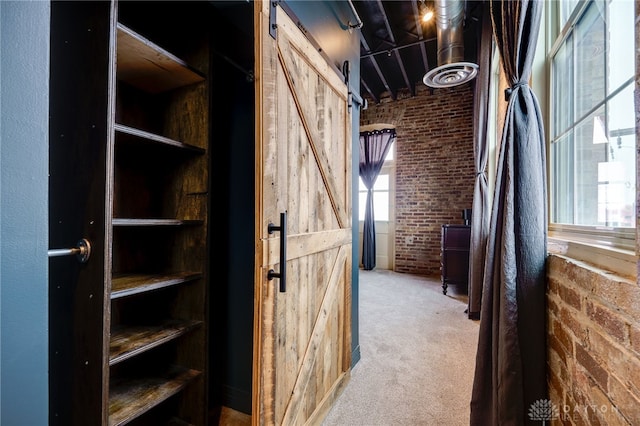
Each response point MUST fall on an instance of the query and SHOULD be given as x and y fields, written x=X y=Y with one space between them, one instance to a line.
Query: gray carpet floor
x=418 y=351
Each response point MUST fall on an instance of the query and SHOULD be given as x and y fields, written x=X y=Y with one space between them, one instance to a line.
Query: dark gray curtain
x=481 y=211
x=510 y=373
x=374 y=146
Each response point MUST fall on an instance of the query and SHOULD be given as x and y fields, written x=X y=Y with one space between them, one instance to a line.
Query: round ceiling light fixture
x=449 y=75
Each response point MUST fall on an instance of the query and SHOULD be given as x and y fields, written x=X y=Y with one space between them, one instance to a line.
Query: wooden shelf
x=130 y=284
x=154 y=222
x=130 y=398
x=129 y=341
x=153 y=138
x=149 y=67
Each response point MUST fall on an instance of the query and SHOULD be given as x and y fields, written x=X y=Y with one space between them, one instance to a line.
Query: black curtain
x=509 y=385
x=374 y=146
x=481 y=209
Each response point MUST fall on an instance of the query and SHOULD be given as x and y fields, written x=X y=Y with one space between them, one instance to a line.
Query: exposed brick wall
x=434 y=169
x=593 y=321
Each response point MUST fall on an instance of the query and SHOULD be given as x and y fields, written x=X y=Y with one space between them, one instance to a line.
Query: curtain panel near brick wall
x=375 y=141
x=510 y=374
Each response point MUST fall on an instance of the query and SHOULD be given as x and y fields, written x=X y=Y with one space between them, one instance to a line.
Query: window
x=592 y=126
x=381 y=191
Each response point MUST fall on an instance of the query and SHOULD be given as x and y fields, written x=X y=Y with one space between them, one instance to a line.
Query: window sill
x=617 y=261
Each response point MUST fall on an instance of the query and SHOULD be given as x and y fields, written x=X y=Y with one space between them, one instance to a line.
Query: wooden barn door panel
x=303 y=157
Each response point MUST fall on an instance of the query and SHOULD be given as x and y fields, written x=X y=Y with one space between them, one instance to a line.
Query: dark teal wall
x=24 y=131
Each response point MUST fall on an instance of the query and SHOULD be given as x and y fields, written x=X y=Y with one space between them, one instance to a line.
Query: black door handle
x=282 y=275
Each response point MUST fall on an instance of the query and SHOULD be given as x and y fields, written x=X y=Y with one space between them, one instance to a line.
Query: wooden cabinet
x=143 y=345
x=454 y=256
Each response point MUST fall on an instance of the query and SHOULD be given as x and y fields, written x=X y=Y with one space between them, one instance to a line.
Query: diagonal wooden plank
x=327 y=402
x=313 y=347
x=322 y=160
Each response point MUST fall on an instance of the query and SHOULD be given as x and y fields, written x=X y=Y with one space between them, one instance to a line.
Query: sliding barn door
x=302 y=344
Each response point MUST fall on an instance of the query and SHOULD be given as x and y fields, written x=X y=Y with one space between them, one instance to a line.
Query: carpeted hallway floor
x=417 y=355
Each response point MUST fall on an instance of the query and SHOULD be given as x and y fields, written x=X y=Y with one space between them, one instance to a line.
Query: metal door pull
x=82 y=252
x=282 y=275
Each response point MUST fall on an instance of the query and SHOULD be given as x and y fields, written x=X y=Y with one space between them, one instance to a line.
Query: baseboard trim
x=237 y=399
x=355 y=356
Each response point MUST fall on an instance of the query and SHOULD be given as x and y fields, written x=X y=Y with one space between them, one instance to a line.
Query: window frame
x=594 y=244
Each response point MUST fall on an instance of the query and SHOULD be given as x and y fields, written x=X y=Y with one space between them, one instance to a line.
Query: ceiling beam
x=375 y=98
x=402 y=46
x=377 y=67
x=396 y=52
x=420 y=32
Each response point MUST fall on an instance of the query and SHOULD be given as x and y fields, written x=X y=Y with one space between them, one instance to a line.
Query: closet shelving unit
x=157 y=320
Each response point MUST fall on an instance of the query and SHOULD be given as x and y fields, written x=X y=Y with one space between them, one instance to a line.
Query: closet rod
x=249 y=74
